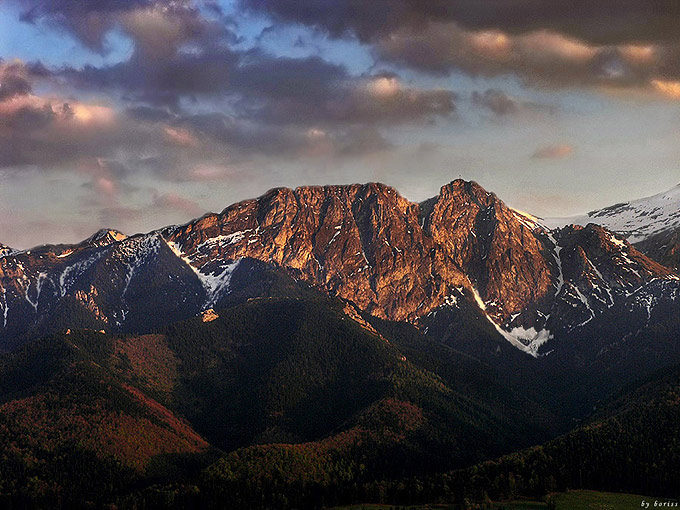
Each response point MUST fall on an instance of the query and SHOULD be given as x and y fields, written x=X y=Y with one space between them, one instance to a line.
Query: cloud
x=272 y=89
x=603 y=22
x=155 y=25
x=87 y=21
x=312 y=90
x=559 y=151
x=555 y=44
x=204 y=71
x=539 y=57
x=667 y=88
x=51 y=132
x=497 y=101
x=14 y=80
x=503 y=105
x=181 y=137
x=181 y=49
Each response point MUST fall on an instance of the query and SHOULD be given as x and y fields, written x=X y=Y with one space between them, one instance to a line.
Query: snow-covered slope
x=636 y=220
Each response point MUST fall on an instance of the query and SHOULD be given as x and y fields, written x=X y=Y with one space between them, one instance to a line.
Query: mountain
x=75 y=427
x=92 y=419
x=603 y=454
x=332 y=345
x=392 y=258
x=652 y=224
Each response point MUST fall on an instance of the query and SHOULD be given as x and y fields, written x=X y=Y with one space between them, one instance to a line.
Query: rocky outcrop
x=663 y=247
x=104 y=237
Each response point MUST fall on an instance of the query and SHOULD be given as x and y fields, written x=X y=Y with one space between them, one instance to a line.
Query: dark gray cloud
x=497 y=101
x=502 y=105
x=547 y=43
x=160 y=81
x=37 y=132
x=601 y=22
x=87 y=21
x=284 y=90
x=14 y=80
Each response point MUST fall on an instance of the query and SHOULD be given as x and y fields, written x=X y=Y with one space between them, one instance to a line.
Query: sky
x=136 y=114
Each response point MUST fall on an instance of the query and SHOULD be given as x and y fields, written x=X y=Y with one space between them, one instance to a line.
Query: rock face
x=502 y=254
x=393 y=258
x=364 y=243
x=663 y=247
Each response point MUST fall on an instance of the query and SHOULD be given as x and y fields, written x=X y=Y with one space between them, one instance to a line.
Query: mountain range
x=334 y=344
x=366 y=244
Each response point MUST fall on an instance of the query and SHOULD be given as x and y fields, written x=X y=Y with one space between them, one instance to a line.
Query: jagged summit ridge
x=364 y=243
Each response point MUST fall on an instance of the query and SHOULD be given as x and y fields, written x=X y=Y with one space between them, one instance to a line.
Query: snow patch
x=526 y=340
x=215 y=282
x=5 y=307
x=225 y=240
x=557 y=250
x=71 y=273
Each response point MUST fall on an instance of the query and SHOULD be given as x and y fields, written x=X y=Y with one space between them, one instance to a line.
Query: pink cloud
x=559 y=151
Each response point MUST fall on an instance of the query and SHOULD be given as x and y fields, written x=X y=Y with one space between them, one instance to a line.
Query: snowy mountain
x=104 y=237
x=652 y=224
x=636 y=220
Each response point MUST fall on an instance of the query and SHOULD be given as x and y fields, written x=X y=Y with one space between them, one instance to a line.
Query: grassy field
x=589 y=500
x=575 y=500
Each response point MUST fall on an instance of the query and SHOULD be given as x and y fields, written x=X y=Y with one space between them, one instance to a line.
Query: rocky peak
x=594 y=253
x=104 y=237
x=360 y=242
x=467 y=191
x=493 y=245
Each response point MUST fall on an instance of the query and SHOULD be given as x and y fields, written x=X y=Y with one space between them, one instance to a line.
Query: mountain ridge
x=652 y=224
x=365 y=243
